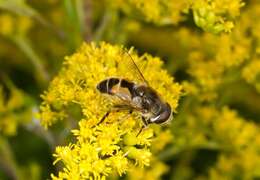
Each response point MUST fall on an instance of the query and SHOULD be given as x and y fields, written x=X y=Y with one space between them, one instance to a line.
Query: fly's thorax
x=137 y=101
x=147 y=98
x=157 y=110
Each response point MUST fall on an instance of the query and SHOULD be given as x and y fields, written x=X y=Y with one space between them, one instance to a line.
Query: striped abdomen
x=114 y=86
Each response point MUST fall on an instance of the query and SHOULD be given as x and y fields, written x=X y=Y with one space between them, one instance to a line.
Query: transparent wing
x=131 y=67
x=122 y=102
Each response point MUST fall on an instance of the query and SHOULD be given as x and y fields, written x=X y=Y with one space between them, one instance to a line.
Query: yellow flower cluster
x=154 y=172
x=14 y=110
x=214 y=67
x=215 y=61
x=216 y=15
x=112 y=146
x=219 y=65
x=157 y=168
x=251 y=73
x=211 y=15
x=223 y=131
x=242 y=143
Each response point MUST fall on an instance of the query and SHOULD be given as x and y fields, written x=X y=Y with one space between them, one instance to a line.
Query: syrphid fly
x=136 y=96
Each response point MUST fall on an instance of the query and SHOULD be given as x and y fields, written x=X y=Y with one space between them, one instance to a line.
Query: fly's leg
x=104 y=117
x=116 y=108
x=145 y=124
x=144 y=121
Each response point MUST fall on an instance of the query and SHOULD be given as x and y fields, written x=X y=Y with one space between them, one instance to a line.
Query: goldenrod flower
x=111 y=146
x=225 y=131
x=153 y=172
x=238 y=137
x=214 y=16
x=251 y=72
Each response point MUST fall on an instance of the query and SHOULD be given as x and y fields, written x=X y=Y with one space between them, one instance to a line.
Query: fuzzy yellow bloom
x=213 y=61
x=154 y=172
x=218 y=59
x=213 y=16
x=216 y=15
x=208 y=76
x=232 y=135
x=251 y=73
x=112 y=146
x=157 y=167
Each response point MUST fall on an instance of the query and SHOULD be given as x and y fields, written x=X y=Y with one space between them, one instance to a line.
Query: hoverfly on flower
x=135 y=96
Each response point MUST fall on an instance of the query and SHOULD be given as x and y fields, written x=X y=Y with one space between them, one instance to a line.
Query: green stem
x=103 y=25
x=7 y=163
x=36 y=61
x=172 y=151
x=79 y=8
x=84 y=12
